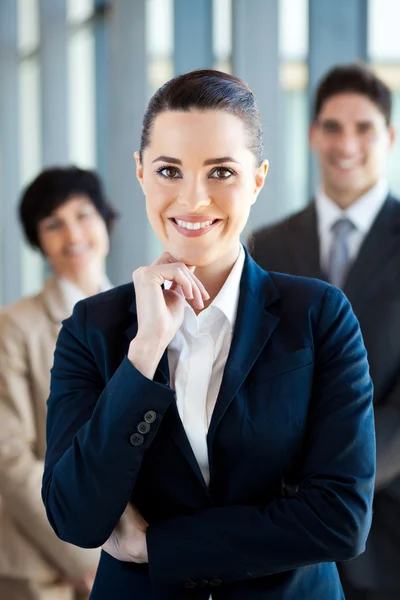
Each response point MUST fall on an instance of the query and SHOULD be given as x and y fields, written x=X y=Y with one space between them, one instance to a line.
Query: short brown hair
x=206 y=89
x=54 y=186
x=357 y=78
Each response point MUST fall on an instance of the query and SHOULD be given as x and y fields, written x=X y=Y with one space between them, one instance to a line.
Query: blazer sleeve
x=94 y=450
x=387 y=425
x=328 y=517
x=20 y=470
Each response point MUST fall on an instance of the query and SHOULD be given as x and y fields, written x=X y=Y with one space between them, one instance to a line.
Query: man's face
x=352 y=141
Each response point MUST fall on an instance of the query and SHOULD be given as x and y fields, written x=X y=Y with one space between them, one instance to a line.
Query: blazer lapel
x=376 y=249
x=254 y=326
x=54 y=302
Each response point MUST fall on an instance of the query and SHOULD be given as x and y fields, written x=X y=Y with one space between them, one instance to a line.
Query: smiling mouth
x=77 y=251
x=194 y=225
x=346 y=165
x=194 y=228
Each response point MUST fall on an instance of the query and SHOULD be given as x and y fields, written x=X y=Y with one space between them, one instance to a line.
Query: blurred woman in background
x=66 y=216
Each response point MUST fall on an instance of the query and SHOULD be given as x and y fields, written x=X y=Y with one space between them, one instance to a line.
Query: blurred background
x=76 y=75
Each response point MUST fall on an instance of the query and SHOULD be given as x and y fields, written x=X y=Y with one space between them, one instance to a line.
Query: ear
x=312 y=132
x=261 y=174
x=392 y=136
x=139 y=168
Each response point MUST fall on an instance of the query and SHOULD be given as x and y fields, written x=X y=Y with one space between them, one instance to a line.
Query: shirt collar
x=361 y=213
x=227 y=299
x=74 y=294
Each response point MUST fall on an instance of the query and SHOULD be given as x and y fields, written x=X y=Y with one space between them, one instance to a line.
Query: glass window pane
x=293 y=29
x=32 y=265
x=159 y=28
x=82 y=141
x=159 y=42
x=79 y=10
x=383 y=30
x=222 y=31
x=28 y=26
x=394 y=171
x=295 y=176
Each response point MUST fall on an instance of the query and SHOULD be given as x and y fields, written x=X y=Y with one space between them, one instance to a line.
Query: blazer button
x=136 y=439
x=189 y=584
x=215 y=582
x=143 y=427
x=150 y=416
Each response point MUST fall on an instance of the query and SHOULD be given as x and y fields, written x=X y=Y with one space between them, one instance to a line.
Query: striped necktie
x=339 y=253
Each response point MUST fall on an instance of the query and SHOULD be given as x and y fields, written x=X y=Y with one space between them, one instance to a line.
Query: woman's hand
x=159 y=311
x=128 y=540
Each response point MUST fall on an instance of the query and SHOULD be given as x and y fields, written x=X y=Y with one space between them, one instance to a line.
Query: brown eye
x=330 y=127
x=222 y=173
x=51 y=225
x=169 y=172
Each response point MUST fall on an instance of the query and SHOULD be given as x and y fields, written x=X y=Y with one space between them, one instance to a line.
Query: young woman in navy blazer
x=210 y=425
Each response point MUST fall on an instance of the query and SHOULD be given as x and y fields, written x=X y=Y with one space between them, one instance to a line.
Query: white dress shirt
x=362 y=214
x=197 y=356
x=74 y=294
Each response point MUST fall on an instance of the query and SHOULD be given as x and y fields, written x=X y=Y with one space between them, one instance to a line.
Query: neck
x=213 y=276
x=345 y=198
x=89 y=282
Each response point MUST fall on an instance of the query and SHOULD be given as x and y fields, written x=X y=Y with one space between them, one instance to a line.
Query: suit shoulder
x=309 y=298
x=395 y=202
x=24 y=314
x=281 y=226
x=304 y=286
x=117 y=300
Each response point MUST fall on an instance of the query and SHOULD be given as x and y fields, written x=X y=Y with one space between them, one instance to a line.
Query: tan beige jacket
x=28 y=546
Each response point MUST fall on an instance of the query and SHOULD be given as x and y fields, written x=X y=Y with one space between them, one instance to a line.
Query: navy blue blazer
x=291 y=449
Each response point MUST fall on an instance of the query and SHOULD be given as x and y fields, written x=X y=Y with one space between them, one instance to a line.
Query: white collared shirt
x=362 y=214
x=73 y=294
x=197 y=356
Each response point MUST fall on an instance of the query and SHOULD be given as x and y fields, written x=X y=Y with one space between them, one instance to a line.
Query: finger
x=157 y=275
x=167 y=258
x=197 y=295
x=177 y=273
x=164 y=258
x=203 y=291
x=180 y=276
x=177 y=288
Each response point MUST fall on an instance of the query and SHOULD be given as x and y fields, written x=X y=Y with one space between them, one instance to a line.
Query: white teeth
x=77 y=249
x=193 y=226
x=346 y=164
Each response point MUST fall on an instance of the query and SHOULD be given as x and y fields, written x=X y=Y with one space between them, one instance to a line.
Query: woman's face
x=74 y=238
x=200 y=180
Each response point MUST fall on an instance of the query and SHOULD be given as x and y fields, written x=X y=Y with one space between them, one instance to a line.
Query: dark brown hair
x=357 y=78
x=54 y=186
x=206 y=90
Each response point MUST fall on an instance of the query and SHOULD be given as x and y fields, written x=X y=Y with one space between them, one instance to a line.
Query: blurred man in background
x=350 y=235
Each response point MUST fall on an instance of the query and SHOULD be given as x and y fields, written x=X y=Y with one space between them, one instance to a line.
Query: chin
x=193 y=257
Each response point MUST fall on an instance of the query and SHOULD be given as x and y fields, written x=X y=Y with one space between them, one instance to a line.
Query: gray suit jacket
x=373 y=287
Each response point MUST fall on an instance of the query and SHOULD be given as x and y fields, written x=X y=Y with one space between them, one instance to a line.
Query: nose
x=348 y=144
x=73 y=233
x=194 y=196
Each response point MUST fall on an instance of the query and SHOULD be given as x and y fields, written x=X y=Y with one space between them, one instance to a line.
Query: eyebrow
x=333 y=121
x=209 y=161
